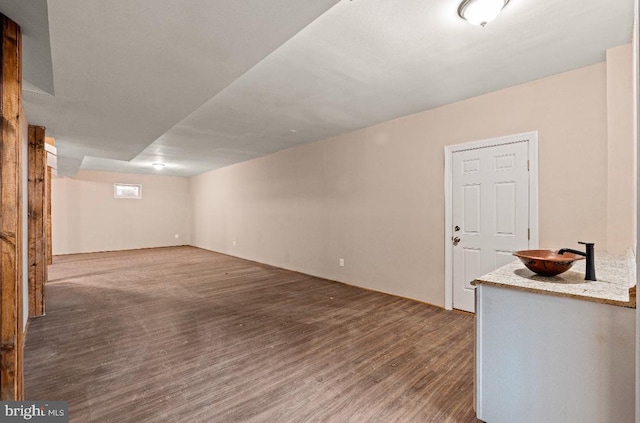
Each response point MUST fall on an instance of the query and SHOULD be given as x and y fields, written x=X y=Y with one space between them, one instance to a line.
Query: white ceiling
x=203 y=84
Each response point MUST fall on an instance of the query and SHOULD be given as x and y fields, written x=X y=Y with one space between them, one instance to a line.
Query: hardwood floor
x=186 y=335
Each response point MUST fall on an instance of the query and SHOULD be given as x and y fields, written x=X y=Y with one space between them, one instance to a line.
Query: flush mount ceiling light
x=480 y=12
x=158 y=166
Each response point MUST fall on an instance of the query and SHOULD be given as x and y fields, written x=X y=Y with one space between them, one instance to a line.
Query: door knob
x=456 y=240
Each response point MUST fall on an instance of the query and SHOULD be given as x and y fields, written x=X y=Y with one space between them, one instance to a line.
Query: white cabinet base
x=548 y=359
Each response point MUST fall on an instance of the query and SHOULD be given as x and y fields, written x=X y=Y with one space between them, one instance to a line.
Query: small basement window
x=127 y=191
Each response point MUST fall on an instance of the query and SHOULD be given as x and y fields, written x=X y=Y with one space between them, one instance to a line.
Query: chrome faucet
x=590 y=272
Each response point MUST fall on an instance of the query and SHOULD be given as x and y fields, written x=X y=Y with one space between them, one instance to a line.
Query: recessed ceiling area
x=33 y=18
x=204 y=84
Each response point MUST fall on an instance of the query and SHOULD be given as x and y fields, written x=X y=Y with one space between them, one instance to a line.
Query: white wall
x=87 y=218
x=24 y=143
x=375 y=197
x=636 y=137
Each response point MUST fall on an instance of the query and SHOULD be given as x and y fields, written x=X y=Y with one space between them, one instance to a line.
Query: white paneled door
x=490 y=213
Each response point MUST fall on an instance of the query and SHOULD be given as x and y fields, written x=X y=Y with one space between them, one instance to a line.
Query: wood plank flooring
x=186 y=335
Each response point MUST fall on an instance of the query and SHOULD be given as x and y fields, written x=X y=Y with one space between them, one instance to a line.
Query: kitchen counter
x=615 y=284
x=556 y=349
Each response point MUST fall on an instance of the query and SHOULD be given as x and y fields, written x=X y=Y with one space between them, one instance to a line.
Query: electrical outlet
x=177 y=236
x=234 y=242
x=341 y=262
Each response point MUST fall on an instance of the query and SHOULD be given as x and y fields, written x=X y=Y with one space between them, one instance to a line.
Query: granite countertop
x=615 y=285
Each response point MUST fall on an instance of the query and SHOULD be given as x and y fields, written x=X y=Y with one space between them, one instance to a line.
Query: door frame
x=532 y=139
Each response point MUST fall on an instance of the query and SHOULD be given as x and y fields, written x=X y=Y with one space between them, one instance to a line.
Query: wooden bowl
x=547 y=262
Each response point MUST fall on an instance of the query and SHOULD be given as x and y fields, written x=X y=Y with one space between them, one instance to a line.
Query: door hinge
x=528 y=166
x=529 y=234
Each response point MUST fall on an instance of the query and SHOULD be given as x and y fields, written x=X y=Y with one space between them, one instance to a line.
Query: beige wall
x=87 y=218
x=375 y=197
x=621 y=219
